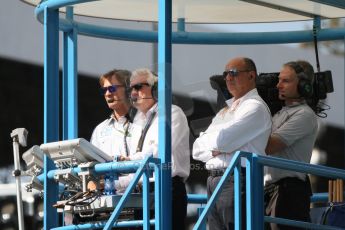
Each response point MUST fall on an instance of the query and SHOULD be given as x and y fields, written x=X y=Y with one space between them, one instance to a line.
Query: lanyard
x=125 y=138
x=143 y=133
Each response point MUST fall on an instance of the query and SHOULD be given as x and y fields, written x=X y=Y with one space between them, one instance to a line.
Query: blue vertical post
x=164 y=108
x=200 y=210
x=258 y=194
x=249 y=194
x=51 y=109
x=181 y=23
x=237 y=196
x=70 y=81
x=146 y=200
x=158 y=206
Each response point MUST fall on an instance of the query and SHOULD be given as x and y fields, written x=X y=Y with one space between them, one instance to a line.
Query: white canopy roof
x=212 y=11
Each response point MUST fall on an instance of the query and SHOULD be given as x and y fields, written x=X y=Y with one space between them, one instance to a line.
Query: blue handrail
x=202 y=198
x=183 y=37
x=235 y=163
x=255 y=164
x=47 y=13
x=127 y=194
x=101 y=224
x=142 y=168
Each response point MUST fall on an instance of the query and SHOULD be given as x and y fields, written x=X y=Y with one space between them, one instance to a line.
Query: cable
x=91 y=200
x=80 y=198
x=320 y=108
x=67 y=193
x=316 y=48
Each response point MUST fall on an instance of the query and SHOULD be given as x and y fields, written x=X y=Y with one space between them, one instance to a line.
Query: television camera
x=266 y=85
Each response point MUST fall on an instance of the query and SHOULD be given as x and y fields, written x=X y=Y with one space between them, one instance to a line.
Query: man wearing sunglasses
x=144 y=141
x=111 y=136
x=245 y=125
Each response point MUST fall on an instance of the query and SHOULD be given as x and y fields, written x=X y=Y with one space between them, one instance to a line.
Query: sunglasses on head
x=138 y=86
x=233 y=72
x=111 y=89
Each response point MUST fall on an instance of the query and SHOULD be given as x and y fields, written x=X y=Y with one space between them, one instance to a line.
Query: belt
x=220 y=172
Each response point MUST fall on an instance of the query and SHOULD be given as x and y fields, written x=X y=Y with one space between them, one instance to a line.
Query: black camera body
x=266 y=84
x=323 y=84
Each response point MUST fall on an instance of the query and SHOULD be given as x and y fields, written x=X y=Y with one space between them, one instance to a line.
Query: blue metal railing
x=101 y=224
x=234 y=166
x=142 y=168
x=254 y=179
x=202 y=198
x=183 y=37
x=47 y=13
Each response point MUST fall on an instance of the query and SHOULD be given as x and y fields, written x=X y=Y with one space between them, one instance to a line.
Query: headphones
x=125 y=76
x=128 y=92
x=127 y=88
x=153 y=83
x=304 y=87
x=154 y=87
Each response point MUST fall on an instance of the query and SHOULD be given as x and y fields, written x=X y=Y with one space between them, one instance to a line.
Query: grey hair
x=151 y=78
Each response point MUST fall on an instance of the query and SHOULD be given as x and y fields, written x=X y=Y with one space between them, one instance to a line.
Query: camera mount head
x=20 y=135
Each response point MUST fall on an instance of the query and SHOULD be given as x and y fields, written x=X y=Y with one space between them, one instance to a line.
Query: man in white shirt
x=112 y=135
x=244 y=124
x=144 y=141
x=294 y=131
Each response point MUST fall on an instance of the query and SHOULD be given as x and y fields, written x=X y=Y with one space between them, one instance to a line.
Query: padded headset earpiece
x=154 y=88
x=154 y=91
x=126 y=75
x=128 y=92
x=304 y=87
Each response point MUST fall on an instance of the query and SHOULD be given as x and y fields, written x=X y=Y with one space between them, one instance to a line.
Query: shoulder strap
x=143 y=133
x=129 y=116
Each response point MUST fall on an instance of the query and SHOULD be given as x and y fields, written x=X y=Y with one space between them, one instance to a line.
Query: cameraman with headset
x=144 y=140
x=294 y=131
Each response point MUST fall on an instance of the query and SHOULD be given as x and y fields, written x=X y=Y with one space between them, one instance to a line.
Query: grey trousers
x=221 y=216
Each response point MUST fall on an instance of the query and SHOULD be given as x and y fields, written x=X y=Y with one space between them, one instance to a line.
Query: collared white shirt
x=108 y=136
x=180 y=157
x=245 y=127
